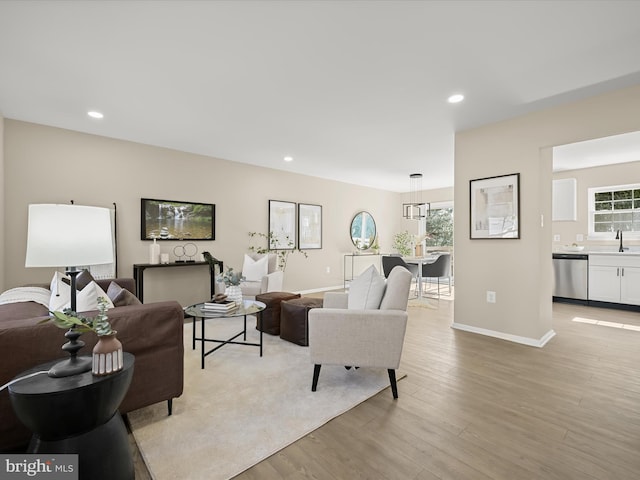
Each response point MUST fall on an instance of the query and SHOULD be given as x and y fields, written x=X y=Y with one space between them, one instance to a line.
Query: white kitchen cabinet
x=564 y=200
x=615 y=278
x=630 y=286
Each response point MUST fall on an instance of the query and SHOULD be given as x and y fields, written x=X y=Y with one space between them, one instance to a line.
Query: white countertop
x=633 y=251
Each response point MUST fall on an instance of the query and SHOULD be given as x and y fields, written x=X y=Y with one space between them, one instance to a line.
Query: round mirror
x=363 y=230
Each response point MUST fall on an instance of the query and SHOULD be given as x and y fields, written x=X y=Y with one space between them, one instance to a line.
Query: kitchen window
x=614 y=208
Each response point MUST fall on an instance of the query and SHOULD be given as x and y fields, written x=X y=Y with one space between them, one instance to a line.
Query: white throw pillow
x=254 y=270
x=366 y=290
x=60 y=292
x=86 y=299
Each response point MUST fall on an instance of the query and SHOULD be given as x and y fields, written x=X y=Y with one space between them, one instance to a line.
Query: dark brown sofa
x=152 y=332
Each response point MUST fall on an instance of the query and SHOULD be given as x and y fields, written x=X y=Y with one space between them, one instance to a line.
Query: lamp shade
x=68 y=236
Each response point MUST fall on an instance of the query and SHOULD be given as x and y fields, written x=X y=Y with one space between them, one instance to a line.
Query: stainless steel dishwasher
x=571 y=276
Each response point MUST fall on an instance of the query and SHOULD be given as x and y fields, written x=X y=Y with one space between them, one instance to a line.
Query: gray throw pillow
x=121 y=297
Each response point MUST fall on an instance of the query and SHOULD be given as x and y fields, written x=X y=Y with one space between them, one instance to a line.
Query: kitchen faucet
x=619 y=236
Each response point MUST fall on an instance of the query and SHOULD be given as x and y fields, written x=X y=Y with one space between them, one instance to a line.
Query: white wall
x=51 y=165
x=619 y=174
x=520 y=271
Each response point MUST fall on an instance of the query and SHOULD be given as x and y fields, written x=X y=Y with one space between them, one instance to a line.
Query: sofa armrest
x=335 y=300
x=364 y=338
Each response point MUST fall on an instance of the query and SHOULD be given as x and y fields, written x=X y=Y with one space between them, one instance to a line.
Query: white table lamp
x=69 y=236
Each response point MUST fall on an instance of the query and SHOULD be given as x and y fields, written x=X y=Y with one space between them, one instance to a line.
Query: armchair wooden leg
x=170 y=406
x=394 y=384
x=316 y=374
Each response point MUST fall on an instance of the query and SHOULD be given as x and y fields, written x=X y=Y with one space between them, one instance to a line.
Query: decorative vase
x=107 y=355
x=234 y=293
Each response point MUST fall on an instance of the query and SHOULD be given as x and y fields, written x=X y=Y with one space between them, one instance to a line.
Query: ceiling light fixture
x=95 y=114
x=457 y=98
x=415 y=209
x=288 y=159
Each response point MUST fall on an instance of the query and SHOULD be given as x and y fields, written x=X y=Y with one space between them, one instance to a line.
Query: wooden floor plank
x=486 y=409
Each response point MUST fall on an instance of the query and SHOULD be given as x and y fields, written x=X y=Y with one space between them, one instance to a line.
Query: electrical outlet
x=491 y=296
x=579 y=237
x=328 y=269
x=556 y=238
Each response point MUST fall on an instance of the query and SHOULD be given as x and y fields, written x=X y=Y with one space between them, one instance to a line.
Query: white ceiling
x=600 y=151
x=353 y=90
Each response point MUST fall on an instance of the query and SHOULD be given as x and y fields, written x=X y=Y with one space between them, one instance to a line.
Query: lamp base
x=71 y=366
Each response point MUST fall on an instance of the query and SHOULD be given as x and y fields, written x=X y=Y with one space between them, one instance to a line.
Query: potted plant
x=376 y=246
x=232 y=280
x=403 y=243
x=272 y=241
x=107 y=354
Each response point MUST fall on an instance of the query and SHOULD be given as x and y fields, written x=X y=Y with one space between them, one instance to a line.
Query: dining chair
x=390 y=261
x=441 y=268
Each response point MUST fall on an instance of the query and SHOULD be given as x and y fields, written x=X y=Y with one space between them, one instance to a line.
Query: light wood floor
x=473 y=407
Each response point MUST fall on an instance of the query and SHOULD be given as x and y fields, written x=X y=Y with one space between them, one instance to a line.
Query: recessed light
x=95 y=114
x=288 y=159
x=457 y=98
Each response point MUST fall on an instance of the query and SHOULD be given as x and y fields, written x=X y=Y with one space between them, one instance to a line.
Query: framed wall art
x=174 y=220
x=495 y=207
x=309 y=226
x=282 y=225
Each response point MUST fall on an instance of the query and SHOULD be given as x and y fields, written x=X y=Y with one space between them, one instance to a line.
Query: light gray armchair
x=270 y=281
x=370 y=337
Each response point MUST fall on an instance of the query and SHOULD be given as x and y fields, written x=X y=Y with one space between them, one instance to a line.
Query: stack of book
x=225 y=306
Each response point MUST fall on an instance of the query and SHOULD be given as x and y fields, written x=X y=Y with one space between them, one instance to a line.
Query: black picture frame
x=494 y=204
x=282 y=225
x=176 y=220
x=309 y=226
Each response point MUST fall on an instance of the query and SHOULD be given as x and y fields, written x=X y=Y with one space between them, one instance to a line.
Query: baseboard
x=322 y=289
x=532 y=342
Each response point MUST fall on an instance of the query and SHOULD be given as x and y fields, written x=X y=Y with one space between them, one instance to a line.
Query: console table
x=370 y=259
x=139 y=268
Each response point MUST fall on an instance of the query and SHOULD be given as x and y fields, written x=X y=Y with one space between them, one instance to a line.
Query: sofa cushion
x=254 y=270
x=366 y=290
x=121 y=296
x=396 y=295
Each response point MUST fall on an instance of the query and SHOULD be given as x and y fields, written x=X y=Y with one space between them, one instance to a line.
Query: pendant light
x=415 y=209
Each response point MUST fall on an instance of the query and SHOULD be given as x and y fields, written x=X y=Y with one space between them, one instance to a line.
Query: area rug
x=242 y=408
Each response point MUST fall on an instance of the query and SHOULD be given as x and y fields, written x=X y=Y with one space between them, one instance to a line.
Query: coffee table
x=248 y=307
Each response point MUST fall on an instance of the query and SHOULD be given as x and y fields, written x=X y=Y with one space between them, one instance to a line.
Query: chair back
x=390 y=261
x=440 y=268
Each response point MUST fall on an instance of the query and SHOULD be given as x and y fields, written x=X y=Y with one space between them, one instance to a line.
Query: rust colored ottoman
x=271 y=314
x=294 y=319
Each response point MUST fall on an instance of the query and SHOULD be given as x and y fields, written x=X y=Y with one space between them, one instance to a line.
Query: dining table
x=420 y=261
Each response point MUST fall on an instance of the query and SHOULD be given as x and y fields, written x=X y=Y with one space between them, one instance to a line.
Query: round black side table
x=78 y=414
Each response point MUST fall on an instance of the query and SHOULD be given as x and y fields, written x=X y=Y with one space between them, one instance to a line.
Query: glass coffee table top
x=248 y=307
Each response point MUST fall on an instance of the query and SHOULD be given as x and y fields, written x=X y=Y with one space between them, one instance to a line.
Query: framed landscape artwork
x=309 y=226
x=282 y=225
x=495 y=207
x=174 y=220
